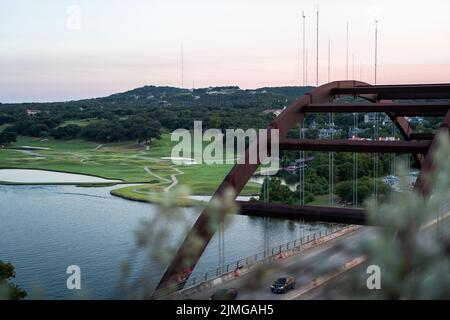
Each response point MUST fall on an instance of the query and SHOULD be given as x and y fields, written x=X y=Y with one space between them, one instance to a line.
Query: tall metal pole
x=317 y=49
x=347 y=48
x=182 y=67
x=299 y=53
x=304 y=48
x=329 y=59
x=376 y=50
x=353 y=67
x=306 y=65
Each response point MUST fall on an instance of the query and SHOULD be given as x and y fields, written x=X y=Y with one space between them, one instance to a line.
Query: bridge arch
x=320 y=100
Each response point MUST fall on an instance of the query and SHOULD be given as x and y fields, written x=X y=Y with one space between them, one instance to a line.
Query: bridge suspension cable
x=222 y=247
x=393 y=162
x=266 y=196
x=331 y=162
x=375 y=157
x=301 y=175
x=355 y=163
x=301 y=164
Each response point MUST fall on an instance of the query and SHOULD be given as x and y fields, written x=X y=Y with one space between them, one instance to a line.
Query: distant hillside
x=151 y=95
x=154 y=95
x=143 y=112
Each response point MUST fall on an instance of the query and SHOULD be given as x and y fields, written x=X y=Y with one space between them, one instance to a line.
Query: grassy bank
x=146 y=193
x=126 y=161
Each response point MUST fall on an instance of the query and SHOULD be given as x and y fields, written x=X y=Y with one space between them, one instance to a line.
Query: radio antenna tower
x=299 y=53
x=353 y=66
x=347 y=47
x=329 y=59
x=182 y=67
x=304 y=47
x=306 y=65
x=376 y=50
x=317 y=49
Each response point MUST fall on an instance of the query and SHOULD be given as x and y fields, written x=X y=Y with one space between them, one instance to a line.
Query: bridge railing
x=274 y=253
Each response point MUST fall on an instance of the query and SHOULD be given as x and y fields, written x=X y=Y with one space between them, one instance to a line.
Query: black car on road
x=282 y=285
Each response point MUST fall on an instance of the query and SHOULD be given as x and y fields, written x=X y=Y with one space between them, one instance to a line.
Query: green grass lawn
x=149 y=193
x=322 y=200
x=81 y=123
x=126 y=161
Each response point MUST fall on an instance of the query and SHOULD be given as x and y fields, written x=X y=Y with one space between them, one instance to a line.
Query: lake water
x=43 y=176
x=44 y=229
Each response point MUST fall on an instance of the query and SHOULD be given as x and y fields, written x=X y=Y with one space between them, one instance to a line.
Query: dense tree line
x=133 y=128
x=317 y=176
x=172 y=108
x=315 y=186
x=6 y=137
x=34 y=127
x=344 y=189
x=108 y=129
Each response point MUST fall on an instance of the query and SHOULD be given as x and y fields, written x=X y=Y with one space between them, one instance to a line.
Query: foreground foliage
x=8 y=289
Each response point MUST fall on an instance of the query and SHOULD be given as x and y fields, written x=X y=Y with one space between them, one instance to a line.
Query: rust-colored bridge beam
x=399 y=110
x=399 y=92
x=304 y=213
x=422 y=136
x=359 y=146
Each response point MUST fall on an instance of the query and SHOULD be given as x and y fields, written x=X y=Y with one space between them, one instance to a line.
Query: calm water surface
x=44 y=229
x=43 y=176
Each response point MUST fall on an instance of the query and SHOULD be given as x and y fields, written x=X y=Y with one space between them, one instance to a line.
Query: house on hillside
x=371 y=118
x=355 y=132
x=165 y=103
x=32 y=112
x=327 y=133
x=276 y=112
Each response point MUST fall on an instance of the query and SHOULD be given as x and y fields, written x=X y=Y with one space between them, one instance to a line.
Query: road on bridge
x=312 y=281
x=307 y=267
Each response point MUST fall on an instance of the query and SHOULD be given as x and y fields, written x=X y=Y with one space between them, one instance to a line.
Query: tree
x=7 y=137
x=214 y=121
x=279 y=193
x=344 y=189
x=142 y=129
x=9 y=290
x=70 y=131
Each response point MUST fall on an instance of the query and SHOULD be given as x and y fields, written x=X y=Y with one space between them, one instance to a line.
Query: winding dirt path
x=150 y=172
x=174 y=179
x=173 y=182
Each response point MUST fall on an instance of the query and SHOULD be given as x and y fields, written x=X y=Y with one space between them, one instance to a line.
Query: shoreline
x=186 y=203
x=154 y=198
x=61 y=171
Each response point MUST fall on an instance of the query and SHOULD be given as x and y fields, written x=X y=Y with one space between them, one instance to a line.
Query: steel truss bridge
x=397 y=101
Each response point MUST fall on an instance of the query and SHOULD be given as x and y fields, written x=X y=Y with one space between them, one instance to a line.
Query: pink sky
x=121 y=45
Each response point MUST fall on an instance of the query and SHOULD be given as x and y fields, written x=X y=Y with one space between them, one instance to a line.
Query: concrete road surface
x=306 y=266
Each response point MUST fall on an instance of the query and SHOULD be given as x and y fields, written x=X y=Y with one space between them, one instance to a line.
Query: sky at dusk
x=57 y=50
